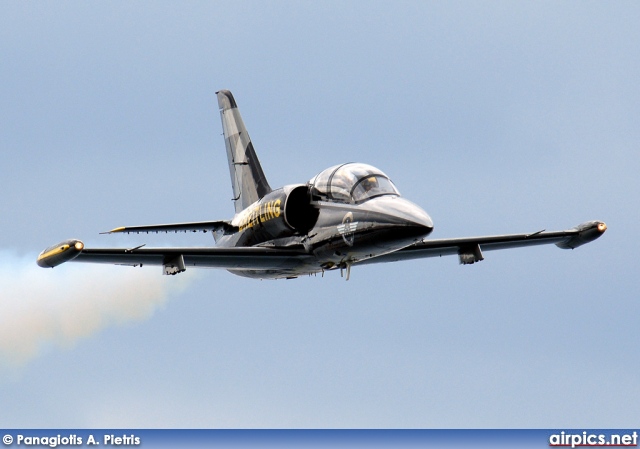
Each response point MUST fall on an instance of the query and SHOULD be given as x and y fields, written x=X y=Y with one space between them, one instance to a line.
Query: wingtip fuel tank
x=60 y=253
x=586 y=232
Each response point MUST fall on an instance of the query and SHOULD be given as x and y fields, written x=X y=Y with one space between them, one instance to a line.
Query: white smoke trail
x=41 y=307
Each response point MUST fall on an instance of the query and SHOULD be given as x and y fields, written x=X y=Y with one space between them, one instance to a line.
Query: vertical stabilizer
x=247 y=178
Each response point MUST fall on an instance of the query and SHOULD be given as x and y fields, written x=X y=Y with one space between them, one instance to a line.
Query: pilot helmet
x=370 y=183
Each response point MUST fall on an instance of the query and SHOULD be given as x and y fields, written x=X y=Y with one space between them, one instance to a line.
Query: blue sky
x=495 y=117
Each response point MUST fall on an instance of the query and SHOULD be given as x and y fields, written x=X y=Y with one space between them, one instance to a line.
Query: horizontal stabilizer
x=201 y=226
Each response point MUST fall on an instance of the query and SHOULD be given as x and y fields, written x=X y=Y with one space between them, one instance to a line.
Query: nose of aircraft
x=408 y=218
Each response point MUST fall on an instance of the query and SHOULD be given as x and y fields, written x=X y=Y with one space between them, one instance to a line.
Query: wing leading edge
x=469 y=249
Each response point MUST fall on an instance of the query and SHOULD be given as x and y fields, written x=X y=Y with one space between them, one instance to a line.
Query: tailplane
x=247 y=178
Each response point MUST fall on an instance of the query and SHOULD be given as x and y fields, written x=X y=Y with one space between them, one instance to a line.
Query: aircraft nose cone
x=419 y=224
x=421 y=218
x=408 y=218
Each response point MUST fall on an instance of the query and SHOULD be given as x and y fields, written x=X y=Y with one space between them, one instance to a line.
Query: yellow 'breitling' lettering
x=260 y=214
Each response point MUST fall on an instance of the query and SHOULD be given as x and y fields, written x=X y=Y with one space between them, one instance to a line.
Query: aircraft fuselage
x=335 y=235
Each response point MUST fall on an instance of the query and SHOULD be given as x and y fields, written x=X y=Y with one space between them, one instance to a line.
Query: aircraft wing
x=469 y=249
x=175 y=260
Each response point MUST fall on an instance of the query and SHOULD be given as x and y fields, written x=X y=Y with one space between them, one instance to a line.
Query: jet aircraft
x=349 y=214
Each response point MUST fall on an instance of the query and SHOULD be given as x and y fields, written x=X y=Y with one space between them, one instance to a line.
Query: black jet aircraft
x=349 y=214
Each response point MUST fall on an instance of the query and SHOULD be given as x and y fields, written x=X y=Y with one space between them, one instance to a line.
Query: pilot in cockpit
x=369 y=183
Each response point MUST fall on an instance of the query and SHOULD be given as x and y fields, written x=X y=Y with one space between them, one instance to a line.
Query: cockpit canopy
x=351 y=183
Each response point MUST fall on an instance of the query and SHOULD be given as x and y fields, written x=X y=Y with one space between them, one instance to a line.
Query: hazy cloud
x=40 y=307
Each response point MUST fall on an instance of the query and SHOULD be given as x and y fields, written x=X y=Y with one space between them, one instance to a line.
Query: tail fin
x=247 y=178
